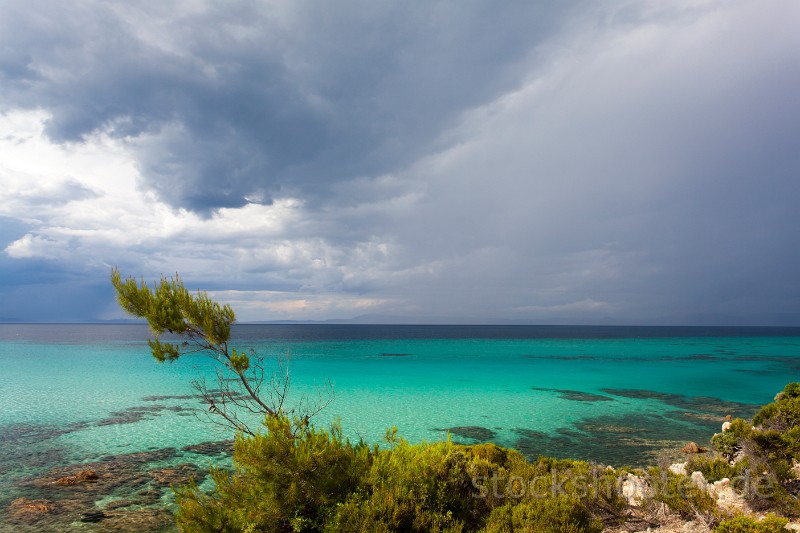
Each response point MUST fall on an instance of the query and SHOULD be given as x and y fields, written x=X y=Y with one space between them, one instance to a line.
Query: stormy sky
x=611 y=162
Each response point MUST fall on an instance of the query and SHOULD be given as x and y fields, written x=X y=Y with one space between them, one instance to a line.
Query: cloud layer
x=579 y=162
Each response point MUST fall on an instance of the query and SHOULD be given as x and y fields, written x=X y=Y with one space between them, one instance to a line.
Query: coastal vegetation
x=291 y=476
x=317 y=480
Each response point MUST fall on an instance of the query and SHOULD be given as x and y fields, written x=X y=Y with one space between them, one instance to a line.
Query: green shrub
x=424 y=487
x=746 y=524
x=792 y=390
x=593 y=485
x=282 y=482
x=560 y=514
x=784 y=413
x=779 y=448
x=712 y=468
x=679 y=493
x=314 y=480
x=391 y=510
x=730 y=442
x=726 y=443
x=789 y=412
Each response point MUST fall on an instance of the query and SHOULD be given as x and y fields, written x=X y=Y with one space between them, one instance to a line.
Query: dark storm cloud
x=651 y=178
x=614 y=162
x=243 y=99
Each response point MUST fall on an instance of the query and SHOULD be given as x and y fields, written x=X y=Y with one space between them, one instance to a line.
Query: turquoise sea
x=74 y=395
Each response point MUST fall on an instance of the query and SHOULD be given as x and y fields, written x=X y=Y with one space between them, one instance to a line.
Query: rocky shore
x=119 y=493
x=127 y=493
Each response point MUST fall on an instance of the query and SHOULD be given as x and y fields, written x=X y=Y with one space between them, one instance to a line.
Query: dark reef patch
x=702 y=404
x=478 y=433
x=211 y=448
x=697 y=357
x=576 y=395
x=139 y=458
x=631 y=439
x=754 y=372
x=396 y=354
x=139 y=413
x=222 y=393
x=713 y=422
x=31 y=447
x=170 y=397
x=563 y=357
x=24 y=434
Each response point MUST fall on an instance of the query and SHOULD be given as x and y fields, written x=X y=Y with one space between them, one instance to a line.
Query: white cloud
x=280 y=305
x=118 y=223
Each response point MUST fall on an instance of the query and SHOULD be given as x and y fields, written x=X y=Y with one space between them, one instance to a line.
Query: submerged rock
x=701 y=404
x=149 y=519
x=136 y=414
x=123 y=493
x=576 y=395
x=211 y=448
x=92 y=517
x=23 y=508
x=84 y=476
x=472 y=432
x=178 y=475
x=43 y=514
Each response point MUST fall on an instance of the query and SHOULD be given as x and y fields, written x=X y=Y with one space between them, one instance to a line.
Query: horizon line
x=348 y=322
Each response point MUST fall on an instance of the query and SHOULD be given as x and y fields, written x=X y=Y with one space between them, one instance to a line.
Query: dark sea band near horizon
x=621 y=395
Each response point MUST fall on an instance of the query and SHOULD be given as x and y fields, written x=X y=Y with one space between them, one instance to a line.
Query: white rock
x=678 y=469
x=719 y=488
x=726 y=426
x=635 y=490
x=699 y=479
x=727 y=498
x=722 y=484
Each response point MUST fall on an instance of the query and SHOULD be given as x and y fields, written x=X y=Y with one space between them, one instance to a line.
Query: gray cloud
x=247 y=100
x=625 y=162
x=654 y=177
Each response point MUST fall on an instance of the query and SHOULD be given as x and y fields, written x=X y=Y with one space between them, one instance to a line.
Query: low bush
x=784 y=413
x=712 y=468
x=746 y=524
x=593 y=485
x=560 y=514
x=287 y=479
x=680 y=493
x=730 y=442
x=424 y=487
x=303 y=479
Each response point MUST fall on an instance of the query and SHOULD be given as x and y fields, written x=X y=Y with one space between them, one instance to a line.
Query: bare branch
x=204 y=329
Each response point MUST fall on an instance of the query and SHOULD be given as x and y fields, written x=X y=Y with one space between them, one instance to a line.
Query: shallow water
x=76 y=394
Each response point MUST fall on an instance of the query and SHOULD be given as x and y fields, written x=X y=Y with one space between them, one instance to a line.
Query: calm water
x=76 y=393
